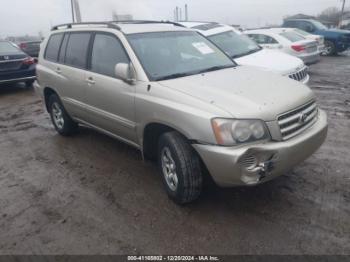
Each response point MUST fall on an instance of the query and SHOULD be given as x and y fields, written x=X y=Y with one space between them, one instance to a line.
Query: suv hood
x=273 y=61
x=245 y=92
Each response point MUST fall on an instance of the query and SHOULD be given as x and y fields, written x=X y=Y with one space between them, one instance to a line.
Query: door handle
x=90 y=81
x=58 y=71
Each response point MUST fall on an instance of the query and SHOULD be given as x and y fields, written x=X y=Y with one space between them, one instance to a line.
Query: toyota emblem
x=6 y=57
x=303 y=118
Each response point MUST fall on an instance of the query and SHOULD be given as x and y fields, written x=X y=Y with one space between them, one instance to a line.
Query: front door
x=110 y=101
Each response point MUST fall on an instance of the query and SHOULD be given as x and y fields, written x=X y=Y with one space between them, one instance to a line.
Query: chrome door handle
x=58 y=71
x=90 y=81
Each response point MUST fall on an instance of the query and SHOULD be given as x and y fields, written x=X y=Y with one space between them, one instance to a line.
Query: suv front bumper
x=228 y=165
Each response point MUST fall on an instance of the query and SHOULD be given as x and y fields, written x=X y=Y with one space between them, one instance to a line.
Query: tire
x=62 y=122
x=330 y=48
x=29 y=83
x=186 y=185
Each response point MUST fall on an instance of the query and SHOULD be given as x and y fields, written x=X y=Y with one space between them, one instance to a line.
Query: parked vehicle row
x=247 y=52
x=15 y=65
x=177 y=97
x=288 y=41
x=336 y=41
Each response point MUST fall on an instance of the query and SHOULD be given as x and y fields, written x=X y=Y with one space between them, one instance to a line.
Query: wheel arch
x=48 y=91
x=151 y=134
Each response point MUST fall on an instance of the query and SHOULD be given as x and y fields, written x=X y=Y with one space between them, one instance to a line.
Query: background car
x=15 y=65
x=318 y=38
x=286 y=40
x=336 y=40
x=246 y=52
x=28 y=44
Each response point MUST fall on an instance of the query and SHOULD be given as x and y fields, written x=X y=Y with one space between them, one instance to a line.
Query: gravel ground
x=90 y=194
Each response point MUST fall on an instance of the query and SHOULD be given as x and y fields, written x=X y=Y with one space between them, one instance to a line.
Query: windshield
x=7 y=48
x=319 y=25
x=167 y=55
x=293 y=37
x=235 y=45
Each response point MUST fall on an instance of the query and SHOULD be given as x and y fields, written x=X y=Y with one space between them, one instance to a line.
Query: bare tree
x=331 y=14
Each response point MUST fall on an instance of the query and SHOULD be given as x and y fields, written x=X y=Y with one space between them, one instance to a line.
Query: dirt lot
x=90 y=194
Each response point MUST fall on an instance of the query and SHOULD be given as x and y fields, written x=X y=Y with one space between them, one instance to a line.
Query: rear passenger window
x=53 y=47
x=77 y=48
x=106 y=53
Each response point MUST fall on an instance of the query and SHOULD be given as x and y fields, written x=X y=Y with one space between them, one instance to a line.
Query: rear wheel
x=180 y=168
x=62 y=122
x=329 y=48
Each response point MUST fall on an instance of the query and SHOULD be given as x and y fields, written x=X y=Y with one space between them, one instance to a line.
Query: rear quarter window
x=53 y=47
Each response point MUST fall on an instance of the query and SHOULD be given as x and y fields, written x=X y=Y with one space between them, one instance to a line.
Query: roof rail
x=146 y=22
x=71 y=25
x=114 y=24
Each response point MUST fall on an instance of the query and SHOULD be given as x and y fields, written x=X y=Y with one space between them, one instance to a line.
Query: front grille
x=11 y=65
x=299 y=75
x=296 y=121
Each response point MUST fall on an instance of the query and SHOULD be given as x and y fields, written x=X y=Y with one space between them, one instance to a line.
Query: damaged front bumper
x=258 y=163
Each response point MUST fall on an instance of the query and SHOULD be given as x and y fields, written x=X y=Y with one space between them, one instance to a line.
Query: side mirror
x=125 y=72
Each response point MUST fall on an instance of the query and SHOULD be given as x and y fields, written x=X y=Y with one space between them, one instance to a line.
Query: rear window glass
x=7 y=48
x=77 y=48
x=53 y=47
x=293 y=37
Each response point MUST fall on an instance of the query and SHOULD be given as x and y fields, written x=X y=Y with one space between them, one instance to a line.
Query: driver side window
x=106 y=53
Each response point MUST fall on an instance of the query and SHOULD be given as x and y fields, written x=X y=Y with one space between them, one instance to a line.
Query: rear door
x=71 y=71
x=111 y=101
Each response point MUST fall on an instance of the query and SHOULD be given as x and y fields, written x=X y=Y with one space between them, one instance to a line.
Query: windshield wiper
x=246 y=53
x=214 y=68
x=172 y=76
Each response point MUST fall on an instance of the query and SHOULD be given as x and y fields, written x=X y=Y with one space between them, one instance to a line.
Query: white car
x=318 y=38
x=287 y=41
x=246 y=52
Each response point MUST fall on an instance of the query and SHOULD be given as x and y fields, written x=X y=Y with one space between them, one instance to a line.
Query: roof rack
x=146 y=22
x=114 y=24
x=71 y=25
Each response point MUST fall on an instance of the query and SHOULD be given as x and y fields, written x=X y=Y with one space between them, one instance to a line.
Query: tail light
x=29 y=61
x=299 y=48
x=23 y=45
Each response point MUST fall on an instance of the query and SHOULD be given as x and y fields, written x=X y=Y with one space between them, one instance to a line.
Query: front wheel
x=62 y=122
x=330 y=48
x=180 y=168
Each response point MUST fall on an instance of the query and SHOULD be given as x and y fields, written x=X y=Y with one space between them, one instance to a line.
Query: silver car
x=176 y=97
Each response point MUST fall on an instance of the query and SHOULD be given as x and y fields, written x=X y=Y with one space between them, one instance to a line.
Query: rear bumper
x=18 y=76
x=272 y=158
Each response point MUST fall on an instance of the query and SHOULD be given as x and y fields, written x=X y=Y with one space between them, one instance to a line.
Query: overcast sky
x=18 y=17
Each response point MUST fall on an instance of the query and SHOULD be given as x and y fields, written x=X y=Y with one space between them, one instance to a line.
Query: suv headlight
x=230 y=132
